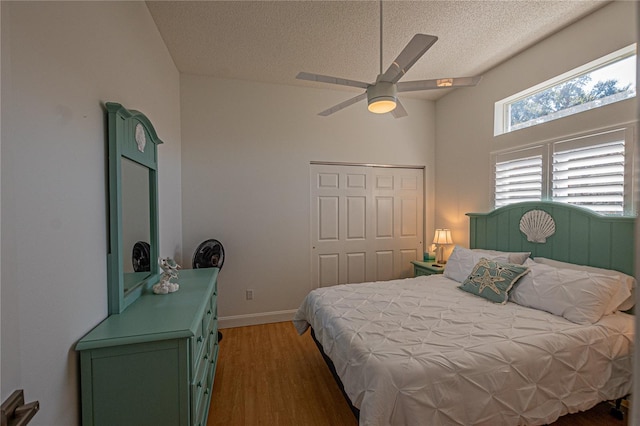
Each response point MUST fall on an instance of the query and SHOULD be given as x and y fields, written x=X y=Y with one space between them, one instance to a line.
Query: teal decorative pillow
x=493 y=280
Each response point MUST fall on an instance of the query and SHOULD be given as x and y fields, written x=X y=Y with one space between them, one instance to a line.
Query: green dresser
x=154 y=363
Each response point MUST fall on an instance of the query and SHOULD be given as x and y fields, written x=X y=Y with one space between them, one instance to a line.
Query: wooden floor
x=268 y=375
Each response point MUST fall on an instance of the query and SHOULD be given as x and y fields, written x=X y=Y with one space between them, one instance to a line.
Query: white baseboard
x=255 y=319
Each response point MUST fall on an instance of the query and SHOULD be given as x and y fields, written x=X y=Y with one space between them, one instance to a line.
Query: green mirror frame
x=130 y=136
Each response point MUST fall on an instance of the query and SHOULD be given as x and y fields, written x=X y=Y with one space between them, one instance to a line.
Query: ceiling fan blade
x=417 y=47
x=331 y=80
x=438 y=83
x=399 y=111
x=344 y=104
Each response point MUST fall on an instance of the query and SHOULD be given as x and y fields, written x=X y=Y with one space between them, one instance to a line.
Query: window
x=593 y=171
x=518 y=177
x=591 y=176
x=606 y=80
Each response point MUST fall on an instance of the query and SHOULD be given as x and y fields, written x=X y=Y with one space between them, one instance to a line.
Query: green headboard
x=581 y=236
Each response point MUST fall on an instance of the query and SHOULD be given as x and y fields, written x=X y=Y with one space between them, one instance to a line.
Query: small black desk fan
x=141 y=257
x=209 y=254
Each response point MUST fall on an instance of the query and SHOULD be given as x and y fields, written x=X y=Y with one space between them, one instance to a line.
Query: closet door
x=366 y=223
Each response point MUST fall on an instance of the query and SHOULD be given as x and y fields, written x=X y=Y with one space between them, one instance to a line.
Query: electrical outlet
x=249 y=294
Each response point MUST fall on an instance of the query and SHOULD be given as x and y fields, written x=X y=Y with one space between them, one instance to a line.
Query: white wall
x=60 y=62
x=464 y=135
x=246 y=149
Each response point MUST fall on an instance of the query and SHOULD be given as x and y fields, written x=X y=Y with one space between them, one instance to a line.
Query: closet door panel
x=366 y=223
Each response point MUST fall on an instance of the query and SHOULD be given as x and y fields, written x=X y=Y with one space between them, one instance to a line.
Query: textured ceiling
x=271 y=41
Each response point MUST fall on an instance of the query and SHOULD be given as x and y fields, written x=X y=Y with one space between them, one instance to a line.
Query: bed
x=421 y=351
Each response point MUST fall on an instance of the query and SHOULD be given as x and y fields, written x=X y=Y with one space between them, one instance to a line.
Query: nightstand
x=426 y=268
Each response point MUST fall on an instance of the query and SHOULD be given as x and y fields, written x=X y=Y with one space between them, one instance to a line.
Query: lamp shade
x=442 y=236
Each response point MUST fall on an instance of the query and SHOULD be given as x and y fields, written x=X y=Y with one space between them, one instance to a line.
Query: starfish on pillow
x=487 y=280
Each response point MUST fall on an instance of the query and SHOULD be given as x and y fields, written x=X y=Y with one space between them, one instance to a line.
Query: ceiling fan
x=382 y=95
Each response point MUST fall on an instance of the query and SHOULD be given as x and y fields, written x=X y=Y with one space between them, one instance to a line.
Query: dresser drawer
x=212 y=365
x=213 y=301
x=199 y=385
x=208 y=315
x=426 y=268
x=201 y=411
x=202 y=406
x=420 y=271
x=213 y=336
x=199 y=340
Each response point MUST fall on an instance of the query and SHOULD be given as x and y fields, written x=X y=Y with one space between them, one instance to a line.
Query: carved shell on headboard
x=537 y=225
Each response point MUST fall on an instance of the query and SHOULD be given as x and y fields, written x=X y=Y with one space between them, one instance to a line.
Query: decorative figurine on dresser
x=153 y=360
x=169 y=271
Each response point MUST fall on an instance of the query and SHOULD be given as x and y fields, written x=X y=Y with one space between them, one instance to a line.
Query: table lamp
x=441 y=238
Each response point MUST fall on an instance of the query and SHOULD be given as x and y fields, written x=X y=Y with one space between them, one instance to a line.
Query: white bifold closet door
x=366 y=223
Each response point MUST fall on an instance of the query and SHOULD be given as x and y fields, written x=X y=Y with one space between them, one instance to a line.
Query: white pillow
x=577 y=295
x=514 y=256
x=625 y=297
x=462 y=261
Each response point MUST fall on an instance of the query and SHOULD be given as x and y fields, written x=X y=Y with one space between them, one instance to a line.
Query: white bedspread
x=421 y=351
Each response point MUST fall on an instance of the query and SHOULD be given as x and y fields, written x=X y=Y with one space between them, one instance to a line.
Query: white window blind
x=594 y=171
x=592 y=176
x=518 y=179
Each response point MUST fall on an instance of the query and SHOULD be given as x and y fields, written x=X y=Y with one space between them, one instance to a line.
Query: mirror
x=133 y=206
x=136 y=223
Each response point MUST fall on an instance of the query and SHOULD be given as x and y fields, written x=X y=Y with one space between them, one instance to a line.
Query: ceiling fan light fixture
x=382 y=97
x=381 y=106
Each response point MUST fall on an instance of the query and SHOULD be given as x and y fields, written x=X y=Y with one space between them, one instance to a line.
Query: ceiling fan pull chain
x=380 y=37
